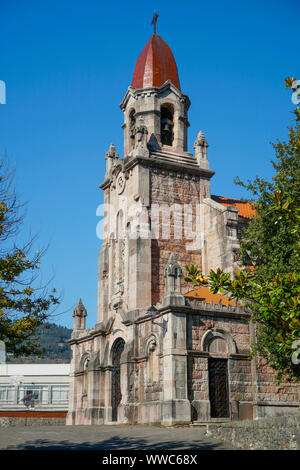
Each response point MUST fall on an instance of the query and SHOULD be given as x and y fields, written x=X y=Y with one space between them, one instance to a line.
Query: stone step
x=215 y=422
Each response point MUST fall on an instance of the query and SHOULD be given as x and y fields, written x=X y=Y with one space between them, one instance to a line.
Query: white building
x=42 y=387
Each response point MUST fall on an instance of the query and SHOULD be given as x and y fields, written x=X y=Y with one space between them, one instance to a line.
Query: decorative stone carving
x=111 y=158
x=121 y=183
x=119 y=267
x=119 y=287
x=141 y=148
x=172 y=274
x=79 y=315
x=200 y=146
x=149 y=344
x=152 y=346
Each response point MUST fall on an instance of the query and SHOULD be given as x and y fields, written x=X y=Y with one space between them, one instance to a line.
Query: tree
x=270 y=245
x=23 y=307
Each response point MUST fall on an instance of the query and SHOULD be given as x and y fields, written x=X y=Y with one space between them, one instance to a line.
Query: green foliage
x=23 y=307
x=53 y=344
x=292 y=84
x=269 y=242
x=53 y=341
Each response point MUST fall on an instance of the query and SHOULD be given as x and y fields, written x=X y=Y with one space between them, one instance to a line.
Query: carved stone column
x=176 y=407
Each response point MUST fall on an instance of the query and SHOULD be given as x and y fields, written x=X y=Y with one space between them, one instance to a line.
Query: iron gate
x=116 y=377
x=218 y=388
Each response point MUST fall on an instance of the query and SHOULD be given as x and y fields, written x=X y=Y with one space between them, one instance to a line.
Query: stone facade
x=156 y=355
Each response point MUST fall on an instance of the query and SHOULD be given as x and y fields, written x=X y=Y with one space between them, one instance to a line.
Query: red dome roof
x=155 y=65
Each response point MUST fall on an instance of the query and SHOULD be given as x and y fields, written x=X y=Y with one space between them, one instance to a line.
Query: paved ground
x=106 y=438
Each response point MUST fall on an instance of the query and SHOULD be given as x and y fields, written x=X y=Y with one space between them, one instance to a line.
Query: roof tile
x=245 y=208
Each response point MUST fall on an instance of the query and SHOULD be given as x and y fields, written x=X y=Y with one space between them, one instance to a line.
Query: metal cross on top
x=154 y=21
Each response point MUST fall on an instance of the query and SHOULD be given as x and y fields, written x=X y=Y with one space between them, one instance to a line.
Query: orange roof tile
x=245 y=208
x=204 y=293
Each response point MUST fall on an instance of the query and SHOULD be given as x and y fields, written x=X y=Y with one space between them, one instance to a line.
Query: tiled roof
x=245 y=208
x=204 y=294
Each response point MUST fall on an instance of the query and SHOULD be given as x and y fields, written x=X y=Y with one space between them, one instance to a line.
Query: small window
x=60 y=394
x=7 y=394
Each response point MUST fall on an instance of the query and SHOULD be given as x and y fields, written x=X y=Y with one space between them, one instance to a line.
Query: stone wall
x=18 y=421
x=171 y=189
x=274 y=433
x=226 y=338
x=238 y=329
x=270 y=392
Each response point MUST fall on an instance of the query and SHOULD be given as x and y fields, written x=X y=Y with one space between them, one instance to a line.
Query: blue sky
x=67 y=66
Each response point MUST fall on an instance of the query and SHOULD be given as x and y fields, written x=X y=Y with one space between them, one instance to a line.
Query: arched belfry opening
x=117 y=349
x=132 y=123
x=167 y=124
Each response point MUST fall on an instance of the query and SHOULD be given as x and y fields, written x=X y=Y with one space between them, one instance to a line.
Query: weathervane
x=154 y=21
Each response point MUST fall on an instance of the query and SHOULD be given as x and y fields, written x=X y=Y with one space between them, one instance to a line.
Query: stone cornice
x=211 y=310
x=136 y=92
x=156 y=162
x=106 y=183
x=149 y=111
x=205 y=354
x=186 y=166
x=193 y=352
x=243 y=356
x=204 y=309
x=99 y=330
x=214 y=310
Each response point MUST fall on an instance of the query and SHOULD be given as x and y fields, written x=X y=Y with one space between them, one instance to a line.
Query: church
x=159 y=352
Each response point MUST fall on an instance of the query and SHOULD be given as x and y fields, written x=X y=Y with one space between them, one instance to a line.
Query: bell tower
x=155 y=100
x=152 y=190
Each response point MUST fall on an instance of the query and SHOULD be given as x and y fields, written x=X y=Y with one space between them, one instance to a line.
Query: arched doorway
x=116 y=396
x=219 y=344
x=218 y=377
